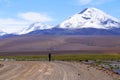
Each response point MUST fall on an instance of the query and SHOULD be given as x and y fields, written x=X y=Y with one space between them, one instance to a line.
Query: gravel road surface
x=58 y=70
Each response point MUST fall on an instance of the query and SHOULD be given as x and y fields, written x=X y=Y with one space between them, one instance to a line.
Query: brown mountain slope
x=38 y=43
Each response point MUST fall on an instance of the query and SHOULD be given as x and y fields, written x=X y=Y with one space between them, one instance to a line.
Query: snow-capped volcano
x=91 y=18
x=35 y=26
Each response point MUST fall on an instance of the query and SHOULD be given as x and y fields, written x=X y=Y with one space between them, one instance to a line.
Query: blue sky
x=18 y=14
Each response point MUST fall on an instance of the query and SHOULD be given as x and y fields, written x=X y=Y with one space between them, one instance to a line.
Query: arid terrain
x=58 y=70
x=41 y=44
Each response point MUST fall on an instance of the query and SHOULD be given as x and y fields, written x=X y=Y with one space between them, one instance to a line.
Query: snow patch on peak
x=35 y=26
x=2 y=33
x=88 y=10
x=91 y=18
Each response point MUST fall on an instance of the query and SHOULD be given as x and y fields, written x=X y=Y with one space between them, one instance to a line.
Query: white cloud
x=11 y=25
x=35 y=17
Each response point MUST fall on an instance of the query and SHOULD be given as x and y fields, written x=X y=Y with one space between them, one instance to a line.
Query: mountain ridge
x=90 y=21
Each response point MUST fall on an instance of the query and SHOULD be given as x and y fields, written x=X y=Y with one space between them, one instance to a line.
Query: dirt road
x=59 y=70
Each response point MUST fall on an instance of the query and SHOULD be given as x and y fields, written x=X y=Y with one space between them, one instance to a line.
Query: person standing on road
x=49 y=56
